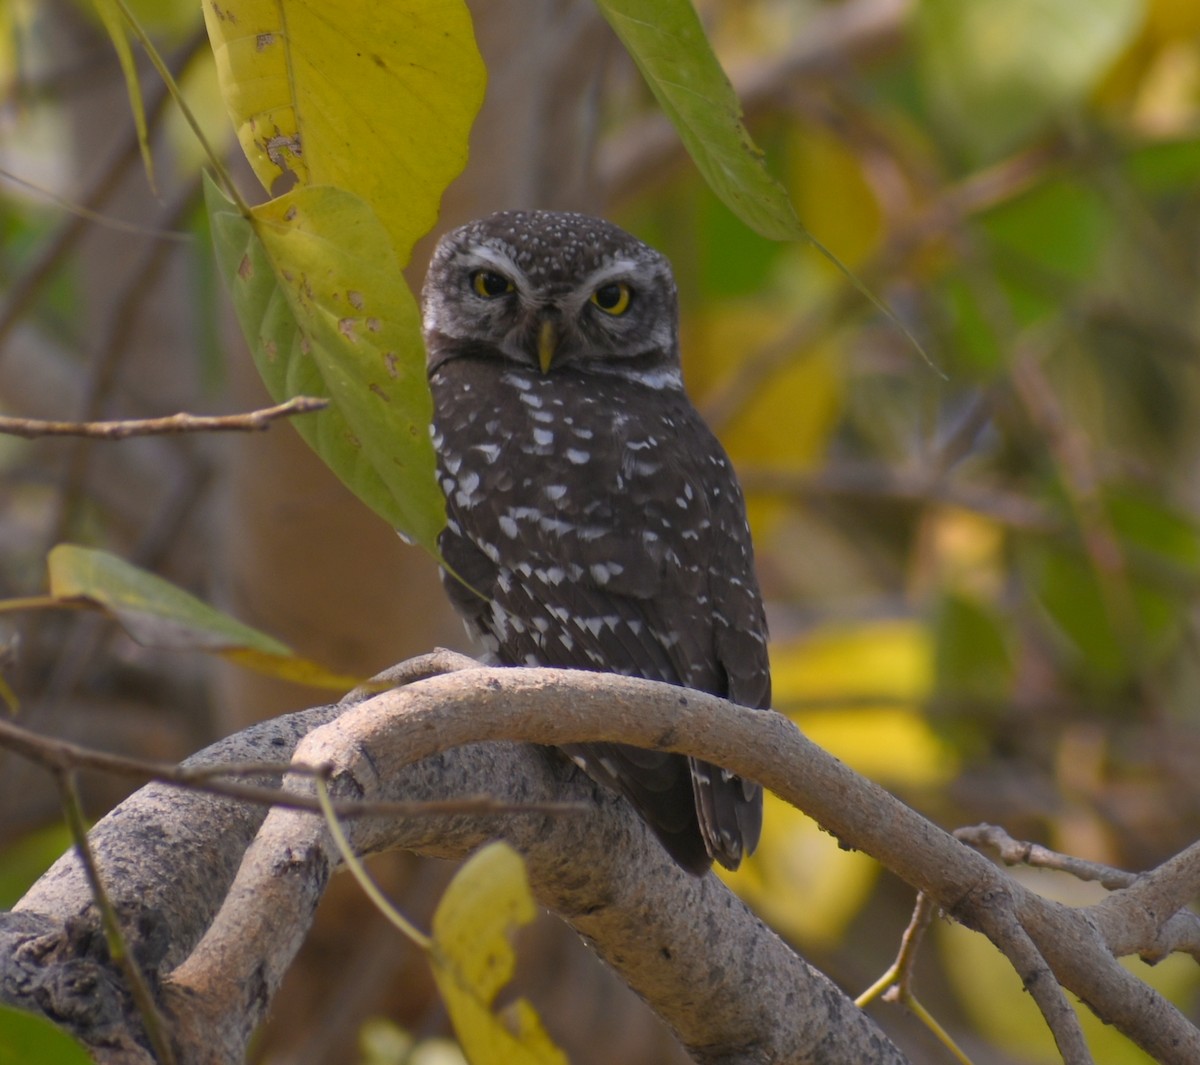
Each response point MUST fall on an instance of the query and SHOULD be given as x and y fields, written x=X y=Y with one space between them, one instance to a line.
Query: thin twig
x=154 y=1022
x=1016 y=852
x=60 y=756
x=182 y=422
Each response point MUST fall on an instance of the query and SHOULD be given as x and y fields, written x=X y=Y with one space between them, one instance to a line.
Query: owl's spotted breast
x=588 y=502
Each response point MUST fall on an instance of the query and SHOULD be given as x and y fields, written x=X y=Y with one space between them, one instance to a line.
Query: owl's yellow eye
x=613 y=298
x=490 y=285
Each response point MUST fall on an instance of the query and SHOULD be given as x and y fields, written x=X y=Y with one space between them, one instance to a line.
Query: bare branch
x=255 y=420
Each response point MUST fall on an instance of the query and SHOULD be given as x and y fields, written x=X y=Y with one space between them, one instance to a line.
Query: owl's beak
x=547 y=345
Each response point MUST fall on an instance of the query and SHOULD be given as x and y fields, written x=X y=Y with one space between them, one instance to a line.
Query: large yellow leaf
x=370 y=97
x=473 y=960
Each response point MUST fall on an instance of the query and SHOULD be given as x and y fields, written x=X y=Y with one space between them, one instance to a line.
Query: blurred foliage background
x=982 y=567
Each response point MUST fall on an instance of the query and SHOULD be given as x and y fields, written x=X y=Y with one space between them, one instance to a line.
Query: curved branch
x=730 y=988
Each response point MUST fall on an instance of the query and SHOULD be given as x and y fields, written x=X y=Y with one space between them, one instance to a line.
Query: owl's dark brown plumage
x=587 y=500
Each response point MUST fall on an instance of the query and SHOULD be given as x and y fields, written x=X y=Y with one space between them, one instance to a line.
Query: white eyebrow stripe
x=484 y=257
x=617 y=268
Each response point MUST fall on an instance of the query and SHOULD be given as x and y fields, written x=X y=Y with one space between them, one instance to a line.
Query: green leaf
x=156 y=613
x=373 y=98
x=26 y=1039
x=473 y=960
x=321 y=299
x=973 y=659
x=669 y=46
x=997 y=71
x=113 y=19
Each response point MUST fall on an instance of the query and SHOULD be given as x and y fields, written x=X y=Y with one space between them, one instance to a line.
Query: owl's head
x=553 y=292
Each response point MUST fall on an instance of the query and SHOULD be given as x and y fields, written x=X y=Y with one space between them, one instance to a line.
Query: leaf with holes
x=321 y=299
x=374 y=98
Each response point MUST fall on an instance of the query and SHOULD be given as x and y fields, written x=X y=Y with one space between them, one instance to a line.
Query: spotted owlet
x=595 y=521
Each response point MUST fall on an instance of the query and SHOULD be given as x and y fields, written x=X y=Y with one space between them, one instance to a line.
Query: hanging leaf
x=321 y=299
x=473 y=960
x=669 y=46
x=114 y=25
x=158 y=614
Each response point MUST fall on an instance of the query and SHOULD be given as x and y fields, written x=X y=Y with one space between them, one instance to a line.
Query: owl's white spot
x=469 y=482
x=508 y=527
x=592 y=625
x=689 y=534
x=681 y=503
x=542 y=624
x=532 y=660
x=646 y=469
x=577 y=457
x=555 y=491
x=525 y=569
x=565 y=639
x=649 y=535
x=582 y=433
x=555 y=526
x=490 y=550
x=640 y=445
x=544 y=416
x=517 y=381
x=531 y=399
x=436 y=437
x=659 y=380
x=516 y=623
x=687 y=490
x=448 y=484
x=601 y=574
x=592 y=532
x=635 y=626
x=490 y=452
x=544 y=437
x=452 y=461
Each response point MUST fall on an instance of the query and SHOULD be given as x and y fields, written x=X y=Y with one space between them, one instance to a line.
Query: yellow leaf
x=373 y=98
x=889 y=659
x=873 y=677
x=473 y=960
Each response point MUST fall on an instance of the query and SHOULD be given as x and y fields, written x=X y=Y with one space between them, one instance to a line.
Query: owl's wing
x=617 y=596
x=546 y=619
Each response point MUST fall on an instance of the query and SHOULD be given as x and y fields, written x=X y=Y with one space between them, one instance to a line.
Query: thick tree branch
x=729 y=987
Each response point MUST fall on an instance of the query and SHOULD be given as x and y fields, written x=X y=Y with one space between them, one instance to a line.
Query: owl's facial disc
x=551 y=293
